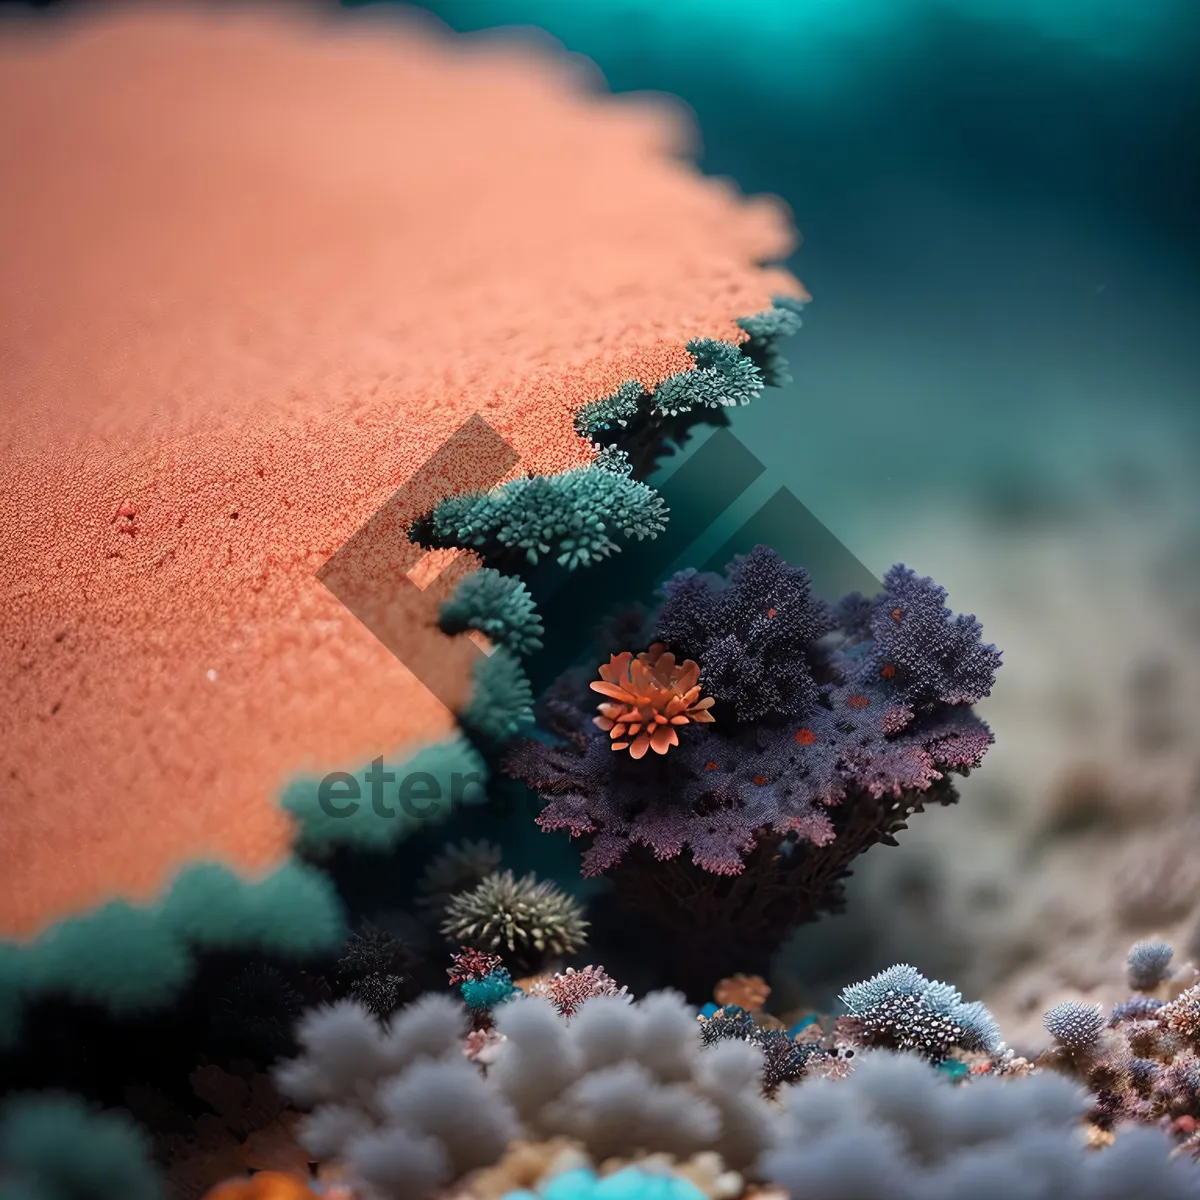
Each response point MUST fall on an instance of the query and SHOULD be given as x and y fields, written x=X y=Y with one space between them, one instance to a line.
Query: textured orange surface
x=256 y=267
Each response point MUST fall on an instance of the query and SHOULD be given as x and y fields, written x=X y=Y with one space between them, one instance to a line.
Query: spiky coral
x=1073 y=1025
x=649 y=695
x=531 y=920
x=375 y=969
x=574 y=518
x=784 y=1060
x=569 y=990
x=498 y=606
x=1148 y=964
x=899 y=1009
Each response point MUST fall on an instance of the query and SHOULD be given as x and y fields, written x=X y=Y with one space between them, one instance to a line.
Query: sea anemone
x=649 y=695
x=530 y=920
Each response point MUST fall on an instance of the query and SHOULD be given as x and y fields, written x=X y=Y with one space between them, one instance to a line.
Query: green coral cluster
x=55 y=1147
x=498 y=606
x=501 y=702
x=723 y=377
x=128 y=958
x=340 y=809
x=766 y=330
x=618 y=409
x=574 y=518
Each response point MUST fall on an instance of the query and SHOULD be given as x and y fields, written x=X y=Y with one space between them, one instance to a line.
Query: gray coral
x=898 y=1130
x=408 y=1113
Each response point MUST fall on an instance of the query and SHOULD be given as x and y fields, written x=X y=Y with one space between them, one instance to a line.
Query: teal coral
x=723 y=377
x=618 y=409
x=494 y=988
x=54 y=1147
x=498 y=606
x=766 y=329
x=128 y=958
x=433 y=782
x=574 y=518
x=501 y=702
x=630 y=1183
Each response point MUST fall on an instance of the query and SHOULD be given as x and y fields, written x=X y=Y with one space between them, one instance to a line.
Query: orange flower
x=648 y=696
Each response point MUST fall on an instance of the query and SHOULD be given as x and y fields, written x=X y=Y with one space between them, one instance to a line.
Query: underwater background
x=997 y=383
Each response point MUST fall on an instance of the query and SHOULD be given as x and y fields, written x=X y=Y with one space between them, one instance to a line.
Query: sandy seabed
x=258 y=266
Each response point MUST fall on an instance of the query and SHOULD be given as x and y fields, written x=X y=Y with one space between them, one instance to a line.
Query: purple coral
x=828 y=735
x=753 y=633
x=808 y=719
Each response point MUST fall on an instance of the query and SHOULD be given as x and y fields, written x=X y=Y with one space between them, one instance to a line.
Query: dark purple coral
x=817 y=710
x=752 y=632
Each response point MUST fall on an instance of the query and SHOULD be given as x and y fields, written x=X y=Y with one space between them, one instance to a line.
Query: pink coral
x=569 y=990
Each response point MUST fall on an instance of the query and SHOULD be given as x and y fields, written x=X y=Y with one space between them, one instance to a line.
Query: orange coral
x=649 y=695
x=745 y=991
x=263 y=1185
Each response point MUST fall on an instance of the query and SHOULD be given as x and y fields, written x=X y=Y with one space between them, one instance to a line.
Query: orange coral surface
x=257 y=267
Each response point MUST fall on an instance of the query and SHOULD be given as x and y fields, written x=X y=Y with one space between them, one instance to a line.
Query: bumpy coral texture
x=898 y=1130
x=409 y=1113
x=498 y=606
x=814 y=710
x=280 y=297
x=899 y=1009
x=574 y=518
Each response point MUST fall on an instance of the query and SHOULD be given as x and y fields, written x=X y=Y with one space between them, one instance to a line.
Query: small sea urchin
x=531 y=920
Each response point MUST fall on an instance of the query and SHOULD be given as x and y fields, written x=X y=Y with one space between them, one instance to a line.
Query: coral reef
x=619 y=1078
x=1142 y=1061
x=532 y=921
x=199 y=449
x=831 y=728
